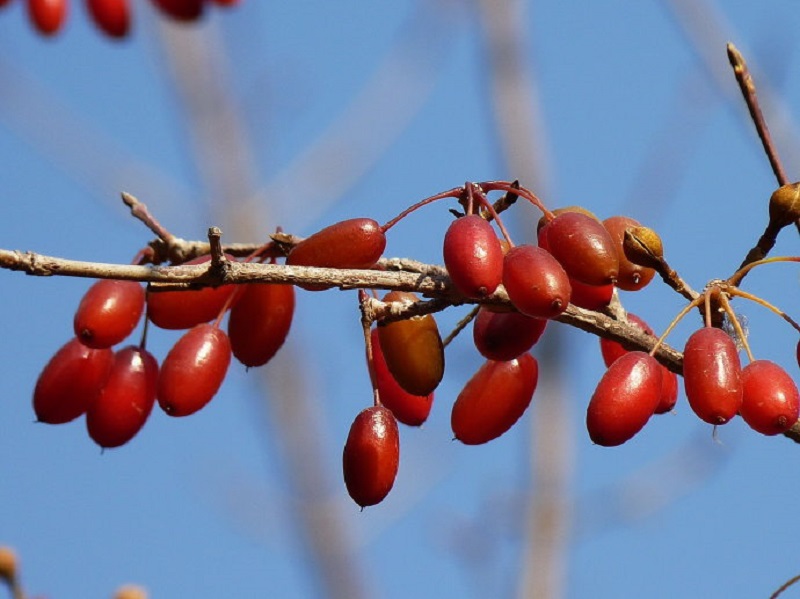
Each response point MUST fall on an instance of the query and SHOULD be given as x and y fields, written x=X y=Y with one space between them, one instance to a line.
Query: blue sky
x=207 y=506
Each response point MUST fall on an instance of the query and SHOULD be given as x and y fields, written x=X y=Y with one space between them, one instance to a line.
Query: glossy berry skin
x=121 y=409
x=413 y=349
x=770 y=400
x=371 y=456
x=590 y=297
x=353 y=243
x=181 y=10
x=503 y=336
x=612 y=350
x=193 y=370
x=669 y=391
x=583 y=247
x=631 y=277
x=411 y=410
x=625 y=399
x=108 y=312
x=260 y=321
x=70 y=381
x=47 y=16
x=473 y=256
x=178 y=310
x=494 y=399
x=536 y=283
x=112 y=17
x=712 y=375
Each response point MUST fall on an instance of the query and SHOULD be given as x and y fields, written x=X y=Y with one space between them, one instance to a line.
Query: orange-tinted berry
x=412 y=348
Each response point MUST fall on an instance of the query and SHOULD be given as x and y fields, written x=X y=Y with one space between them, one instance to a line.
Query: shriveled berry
x=494 y=399
x=108 y=312
x=631 y=277
x=625 y=399
x=70 y=381
x=371 y=456
x=193 y=370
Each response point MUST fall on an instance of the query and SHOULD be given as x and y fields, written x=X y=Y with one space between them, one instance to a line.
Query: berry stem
x=737 y=326
x=754 y=298
x=517 y=190
x=367 y=318
x=737 y=277
x=488 y=205
x=451 y=193
x=688 y=308
x=461 y=325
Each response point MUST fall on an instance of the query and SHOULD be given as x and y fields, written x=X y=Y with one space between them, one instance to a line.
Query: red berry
x=112 y=17
x=108 y=312
x=411 y=410
x=503 y=336
x=583 y=247
x=494 y=399
x=412 y=348
x=612 y=350
x=624 y=399
x=127 y=398
x=631 y=277
x=770 y=400
x=260 y=321
x=181 y=10
x=712 y=375
x=47 y=16
x=590 y=297
x=669 y=391
x=70 y=381
x=473 y=256
x=185 y=309
x=371 y=456
x=354 y=243
x=536 y=283
x=193 y=370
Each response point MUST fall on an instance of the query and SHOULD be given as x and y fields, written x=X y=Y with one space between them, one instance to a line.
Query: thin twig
x=748 y=88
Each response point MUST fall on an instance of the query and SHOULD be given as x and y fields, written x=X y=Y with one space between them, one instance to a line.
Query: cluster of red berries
x=112 y=17
x=578 y=260
x=117 y=390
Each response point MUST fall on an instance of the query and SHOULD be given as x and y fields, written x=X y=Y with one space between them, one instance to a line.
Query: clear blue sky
x=202 y=507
